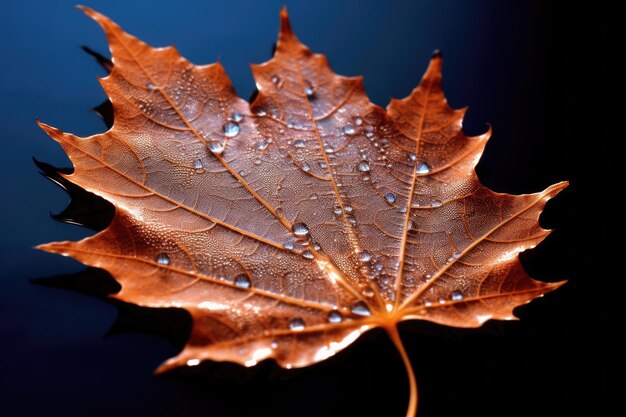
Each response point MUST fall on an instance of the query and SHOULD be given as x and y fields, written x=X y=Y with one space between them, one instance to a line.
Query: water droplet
x=377 y=266
x=274 y=344
x=390 y=197
x=308 y=89
x=296 y=325
x=260 y=112
x=243 y=281
x=306 y=167
x=299 y=143
x=347 y=209
x=364 y=166
x=307 y=254
x=275 y=79
x=193 y=362
x=300 y=229
x=198 y=164
x=216 y=147
x=349 y=130
x=442 y=300
x=163 y=259
x=237 y=117
x=360 y=309
x=358 y=121
x=323 y=165
x=365 y=256
x=242 y=173
x=337 y=210
x=262 y=144
x=328 y=149
x=316 y=246
x=456 y=295
x=313 y=196
x=231 y=129
x=436 y=203
x=335 y=317
x=288 y=245
x=427 y=303
x=151 y=86
x=412 y=157
x=422 y=168
x=369 y=135
x=257 y=161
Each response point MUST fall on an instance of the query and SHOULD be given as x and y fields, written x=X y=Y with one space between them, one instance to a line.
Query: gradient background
x=528 y=68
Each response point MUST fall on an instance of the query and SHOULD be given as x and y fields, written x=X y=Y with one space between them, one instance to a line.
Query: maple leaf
x=290 y=226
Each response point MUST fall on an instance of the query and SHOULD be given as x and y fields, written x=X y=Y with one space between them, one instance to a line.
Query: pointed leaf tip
x=435 y=65
x=285 y=24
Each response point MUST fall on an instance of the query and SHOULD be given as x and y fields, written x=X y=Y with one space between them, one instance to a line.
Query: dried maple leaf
x=289 y=227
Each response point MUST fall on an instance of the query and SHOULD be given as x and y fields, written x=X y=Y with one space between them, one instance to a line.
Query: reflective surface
x=492 y=56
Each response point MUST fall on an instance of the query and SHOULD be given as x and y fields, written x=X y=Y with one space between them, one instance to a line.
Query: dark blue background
x=528 y=68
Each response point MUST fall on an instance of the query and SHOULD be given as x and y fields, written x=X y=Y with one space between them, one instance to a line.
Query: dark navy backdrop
x=526 y=68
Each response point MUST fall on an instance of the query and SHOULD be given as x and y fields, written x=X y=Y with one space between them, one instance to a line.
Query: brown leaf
x=290 y=226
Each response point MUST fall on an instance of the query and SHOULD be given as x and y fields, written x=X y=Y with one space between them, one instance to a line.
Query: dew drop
x=237 y=117
x=365 y=256
x=360 y=309
x=412 y=157
x=151 y=86
x=216 y=147
x=427 y=303
x=390 y=197
x=348 y=209
x=442 y=300
x=368 y=292
x=377 y=266
x=422 y=168
x=260 y=112
x=198 y=164
x=299 y=143
x=307 y=254
x=316 y=246
x=300 y=229
x=262 y=144
x=337 y=210
x=163 y=259
x=358 y=121
x=323 y=165
x=436 y=203
x=349 y=130
x=328 y=149
x=296 y=325
x=275 y=79
x=243 y=281
x=335 y=317
x=231 y=129
x=456 y=295
x=257 y=161
x=306 y=167
x=364 y=166
x=288 y=245
x=308 y=89
x=274 y=344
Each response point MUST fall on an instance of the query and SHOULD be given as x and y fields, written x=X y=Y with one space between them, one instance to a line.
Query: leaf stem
x=394 y=335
